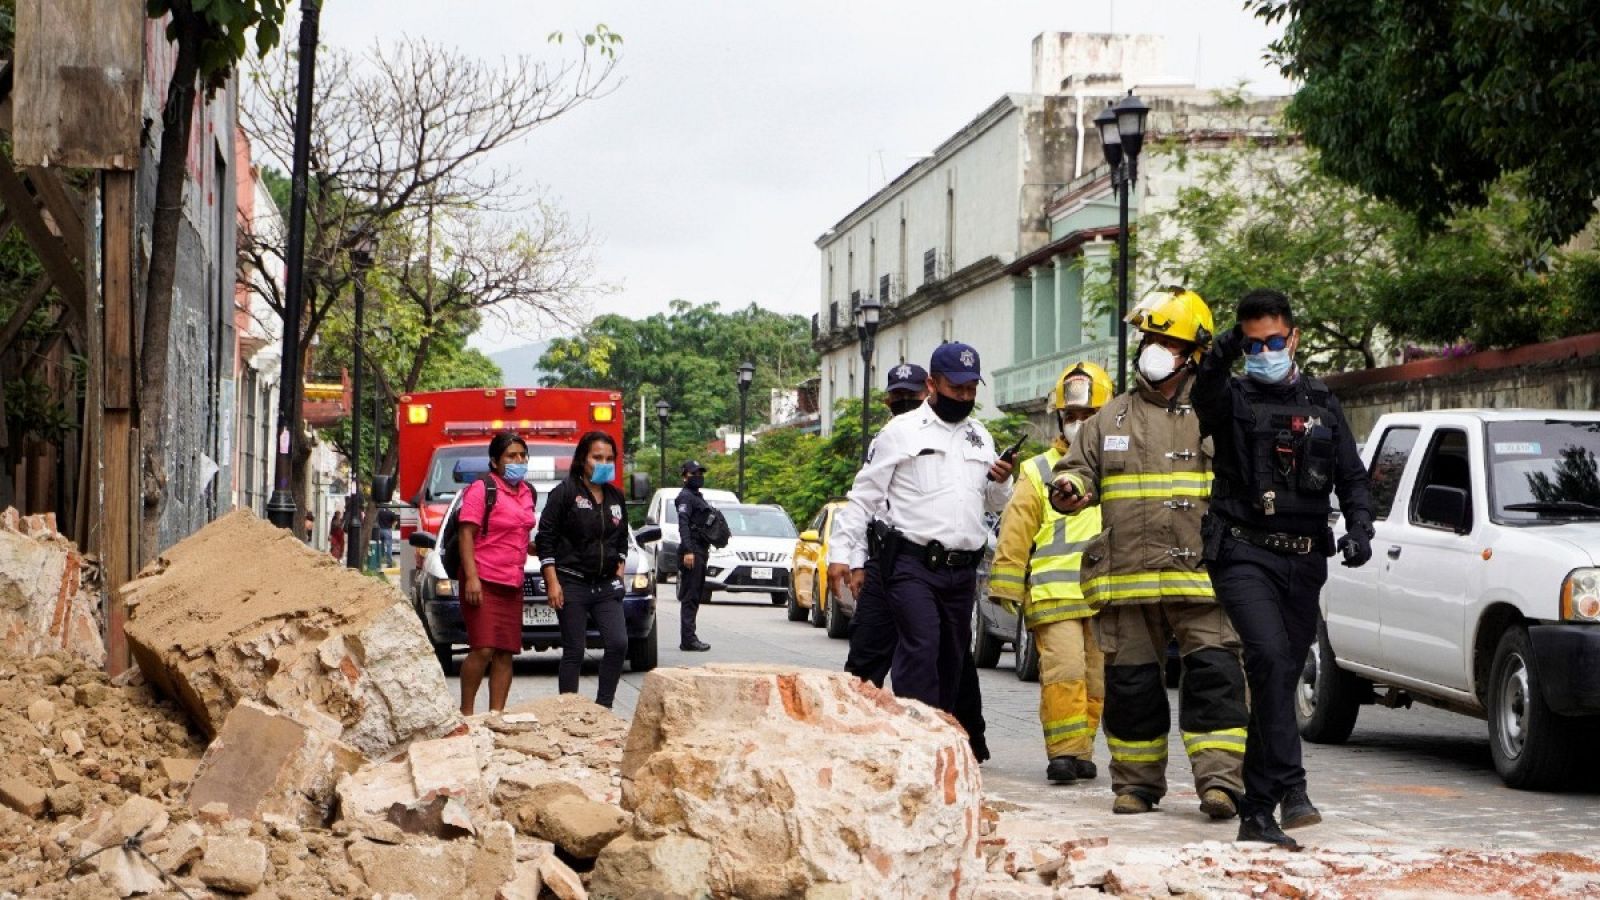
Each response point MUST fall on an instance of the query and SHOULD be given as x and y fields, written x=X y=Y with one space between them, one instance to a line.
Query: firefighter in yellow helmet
x=1142 y=461
x=1036 y=567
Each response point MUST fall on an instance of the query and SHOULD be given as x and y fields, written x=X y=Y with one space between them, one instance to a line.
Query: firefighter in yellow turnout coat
x=1142 y=460
x=1036 y=568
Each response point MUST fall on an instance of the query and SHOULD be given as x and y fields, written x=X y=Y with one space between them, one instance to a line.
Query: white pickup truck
x=1483 y=593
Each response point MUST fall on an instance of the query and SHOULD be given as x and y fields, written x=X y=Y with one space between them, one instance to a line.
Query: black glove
x=1356 y=545
x=1230 y=344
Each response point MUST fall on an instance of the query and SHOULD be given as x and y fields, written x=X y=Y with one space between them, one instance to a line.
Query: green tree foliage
x=689 y=357
x=1363 y=273
x=1429 y=104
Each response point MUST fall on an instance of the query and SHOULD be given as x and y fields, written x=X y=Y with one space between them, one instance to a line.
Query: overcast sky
x=742 y=130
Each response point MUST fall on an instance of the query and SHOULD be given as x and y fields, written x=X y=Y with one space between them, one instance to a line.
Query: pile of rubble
x=287 y=733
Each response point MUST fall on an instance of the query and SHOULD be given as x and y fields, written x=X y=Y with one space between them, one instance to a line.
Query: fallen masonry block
x=128 y=872
x=237 y=865
x=49 y=594
x=672 y=866
x=580 y=826
x=436 y=787
x=23 y=796
x=890 y=807
x=241 y=610
x=265 y=763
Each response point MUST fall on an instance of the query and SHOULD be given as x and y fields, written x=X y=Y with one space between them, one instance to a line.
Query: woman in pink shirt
x=492 y=558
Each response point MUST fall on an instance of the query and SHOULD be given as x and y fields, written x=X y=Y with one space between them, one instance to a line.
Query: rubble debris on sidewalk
x=791 y=783
x=242 y=610
x=1031 y=859
x=49 y=593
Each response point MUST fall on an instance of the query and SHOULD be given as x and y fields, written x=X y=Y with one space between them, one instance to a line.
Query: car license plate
x=762 y=574
x=538 y=614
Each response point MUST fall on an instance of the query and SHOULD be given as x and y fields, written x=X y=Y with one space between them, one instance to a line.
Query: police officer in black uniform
x=693 y=551
x=1282 y=446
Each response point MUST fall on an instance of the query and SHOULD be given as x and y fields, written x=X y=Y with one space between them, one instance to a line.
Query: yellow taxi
x=809 y=594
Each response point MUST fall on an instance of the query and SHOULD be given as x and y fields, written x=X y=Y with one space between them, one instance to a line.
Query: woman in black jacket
x=583 y=546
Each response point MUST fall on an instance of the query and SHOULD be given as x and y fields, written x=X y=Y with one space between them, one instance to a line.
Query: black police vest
x=1292 y=445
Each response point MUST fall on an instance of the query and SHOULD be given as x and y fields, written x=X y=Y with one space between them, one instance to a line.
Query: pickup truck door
x=1430 y=570
x=1351 y=602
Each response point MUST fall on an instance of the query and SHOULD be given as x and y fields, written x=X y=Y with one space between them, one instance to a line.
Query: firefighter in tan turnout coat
x=1036 y=568
x=1142 y=461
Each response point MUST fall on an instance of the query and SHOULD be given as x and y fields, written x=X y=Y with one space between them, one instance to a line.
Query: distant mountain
x=519 y=366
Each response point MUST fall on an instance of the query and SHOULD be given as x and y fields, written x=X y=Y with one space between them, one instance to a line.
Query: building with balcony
x=1058 y=316
x=997 y=238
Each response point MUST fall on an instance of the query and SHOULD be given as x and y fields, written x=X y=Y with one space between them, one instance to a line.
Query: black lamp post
x=663 y=409
x=281 y=509
x=747 y=374
x=360 y=262
x=1121 y=138
x=867 y=315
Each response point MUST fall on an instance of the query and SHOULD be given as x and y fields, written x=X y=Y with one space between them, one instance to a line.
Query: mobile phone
x=1011 y=452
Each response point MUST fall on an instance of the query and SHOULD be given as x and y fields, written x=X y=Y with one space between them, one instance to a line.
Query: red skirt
x=497 y=620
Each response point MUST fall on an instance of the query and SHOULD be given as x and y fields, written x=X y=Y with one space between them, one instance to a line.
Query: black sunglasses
x=1274 y=343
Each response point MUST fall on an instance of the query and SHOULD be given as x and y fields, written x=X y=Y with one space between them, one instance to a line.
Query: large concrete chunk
x=436 y=787
x=885 y=798
x=49 y=596
x=264 y=763
x=241 y=610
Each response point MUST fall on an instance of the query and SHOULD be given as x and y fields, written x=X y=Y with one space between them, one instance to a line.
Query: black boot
x=1298 y=811
x=980 y=748
x=1086 y=770
x=1062 y=770
x=1260 y=827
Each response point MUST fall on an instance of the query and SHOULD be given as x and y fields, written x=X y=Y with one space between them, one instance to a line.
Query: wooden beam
x=119 y=520
x=117 y=268
x=23 y=312
x=55 y=259
x=64 y=208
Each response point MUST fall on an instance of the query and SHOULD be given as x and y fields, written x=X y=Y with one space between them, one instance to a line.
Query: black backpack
x=716 y=531
x=450 y=536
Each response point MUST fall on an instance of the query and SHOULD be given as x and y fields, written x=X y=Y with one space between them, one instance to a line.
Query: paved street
x=1417 y=777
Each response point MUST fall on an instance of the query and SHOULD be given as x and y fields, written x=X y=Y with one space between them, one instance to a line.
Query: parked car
x=756 y=559
x=437 y=602
x=1483 y=594
x=663 y=511
x=809 y=594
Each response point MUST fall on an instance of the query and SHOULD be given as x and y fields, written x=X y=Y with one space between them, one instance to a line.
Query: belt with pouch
x=934 y=555
x=1276 y=541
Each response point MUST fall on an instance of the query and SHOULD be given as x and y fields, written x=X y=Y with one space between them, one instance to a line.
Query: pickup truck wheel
x=1533 y=747
x=817 y=600
x=838 y=623
x=446 y=659
x=1327 y=699
x=985 y=646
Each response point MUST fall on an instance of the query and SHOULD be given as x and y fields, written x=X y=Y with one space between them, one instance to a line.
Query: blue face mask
x=1269 y=366
x=604 y=473
x=514 y=473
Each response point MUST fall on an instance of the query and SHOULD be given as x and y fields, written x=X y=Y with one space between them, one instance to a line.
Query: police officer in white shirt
x=930 y=477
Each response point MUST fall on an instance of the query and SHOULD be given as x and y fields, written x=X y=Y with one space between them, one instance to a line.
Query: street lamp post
x=281 y=508
x=867 y=315
x=663 y=409
x=360 y=261
x=747 y=374
x=1121 y=129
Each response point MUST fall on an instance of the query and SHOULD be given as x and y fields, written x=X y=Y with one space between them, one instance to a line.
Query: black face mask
x=696 y=481
x=904 y=405
x=950 y=409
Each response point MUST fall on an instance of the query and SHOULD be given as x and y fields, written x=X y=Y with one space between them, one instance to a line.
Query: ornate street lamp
x=360 y=262
x=747 y=374
x=1121 y=127
x=867 y=316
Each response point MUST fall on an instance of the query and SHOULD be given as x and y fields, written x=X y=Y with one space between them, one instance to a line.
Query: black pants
x=873 y=640
x=585 y=601
x=1271 y=599
x=691 y=589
